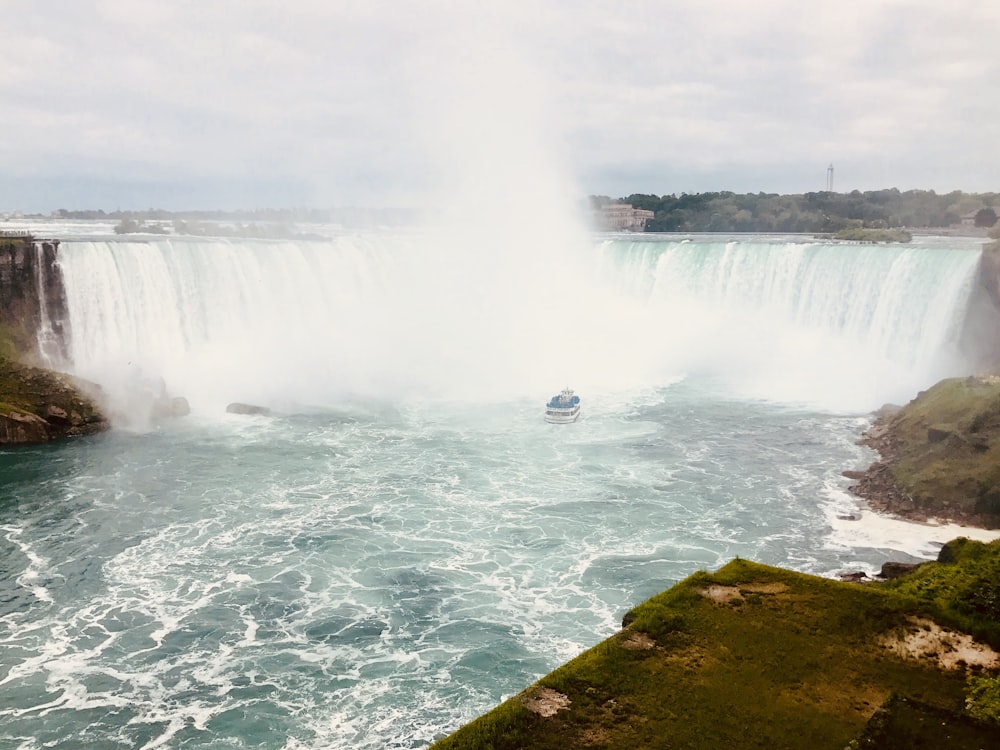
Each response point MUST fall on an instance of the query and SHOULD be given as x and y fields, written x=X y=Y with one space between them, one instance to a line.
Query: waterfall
x=401 y=315
x=48 y=339
x=793 y=319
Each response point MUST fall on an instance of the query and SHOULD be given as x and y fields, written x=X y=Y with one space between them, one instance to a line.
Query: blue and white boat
x=563 y=408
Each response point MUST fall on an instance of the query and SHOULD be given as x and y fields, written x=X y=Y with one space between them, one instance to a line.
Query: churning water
x=405 y=542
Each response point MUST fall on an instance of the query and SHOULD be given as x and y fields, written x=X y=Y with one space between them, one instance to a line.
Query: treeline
x=811 y=212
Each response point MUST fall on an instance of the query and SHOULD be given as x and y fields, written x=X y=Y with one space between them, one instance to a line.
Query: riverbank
x=939 y=456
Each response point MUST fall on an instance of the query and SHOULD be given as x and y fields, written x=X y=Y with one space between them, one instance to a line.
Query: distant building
x=621 y=217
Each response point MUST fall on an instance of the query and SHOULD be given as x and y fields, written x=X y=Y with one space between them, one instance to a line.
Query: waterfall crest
x=404 y=315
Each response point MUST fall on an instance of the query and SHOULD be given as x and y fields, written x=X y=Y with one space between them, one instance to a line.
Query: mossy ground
x=749 y=656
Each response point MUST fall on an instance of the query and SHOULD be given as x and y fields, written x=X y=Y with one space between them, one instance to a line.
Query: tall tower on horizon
x=829 y=179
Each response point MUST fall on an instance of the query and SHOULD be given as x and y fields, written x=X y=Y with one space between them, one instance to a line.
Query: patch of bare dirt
x=925 y=639
x=545 y=701
x=638 y=642
x=725 y=594
x=722 y=594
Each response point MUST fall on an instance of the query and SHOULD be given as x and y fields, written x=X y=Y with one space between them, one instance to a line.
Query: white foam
x=921 y=540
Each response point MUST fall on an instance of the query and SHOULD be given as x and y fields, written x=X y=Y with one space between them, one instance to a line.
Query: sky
x=202 y=104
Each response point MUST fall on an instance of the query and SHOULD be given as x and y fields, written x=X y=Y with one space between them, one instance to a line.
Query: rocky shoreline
x=38 y=405
x=937 y=456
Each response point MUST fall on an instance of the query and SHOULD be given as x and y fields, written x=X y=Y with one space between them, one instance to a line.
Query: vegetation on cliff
x=939 y=455
x=861 y=234
x=754 y=656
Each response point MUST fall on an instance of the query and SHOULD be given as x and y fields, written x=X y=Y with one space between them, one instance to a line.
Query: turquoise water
x=406 y=542
x=375 y=578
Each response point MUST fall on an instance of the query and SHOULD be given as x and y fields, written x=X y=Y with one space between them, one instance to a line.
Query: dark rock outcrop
x=37 y=406
x=892 y=570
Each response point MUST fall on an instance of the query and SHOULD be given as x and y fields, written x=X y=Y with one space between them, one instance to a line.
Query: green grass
x=904 y=724
x=961 y=471
x=963 y=588
x=793 y=661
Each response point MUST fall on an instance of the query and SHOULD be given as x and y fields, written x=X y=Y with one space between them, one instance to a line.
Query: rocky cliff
x=38 y=405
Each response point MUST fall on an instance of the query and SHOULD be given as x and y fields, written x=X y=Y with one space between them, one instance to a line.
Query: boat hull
x=562 y=416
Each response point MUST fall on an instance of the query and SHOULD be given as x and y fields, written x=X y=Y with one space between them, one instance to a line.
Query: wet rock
x=239 y=408
x=171 y=406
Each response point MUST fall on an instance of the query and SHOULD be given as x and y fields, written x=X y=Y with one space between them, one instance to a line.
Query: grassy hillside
x=940 y=455
x=754 y=656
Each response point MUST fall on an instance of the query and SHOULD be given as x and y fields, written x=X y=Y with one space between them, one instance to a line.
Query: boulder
x=239 y=408
x=17 y=427
x=170 y=406
x=891 y=570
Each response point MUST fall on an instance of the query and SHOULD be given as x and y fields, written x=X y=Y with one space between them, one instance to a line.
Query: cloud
x=387 y=101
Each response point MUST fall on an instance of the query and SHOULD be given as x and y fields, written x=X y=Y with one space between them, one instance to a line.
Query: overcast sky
x=245 y=103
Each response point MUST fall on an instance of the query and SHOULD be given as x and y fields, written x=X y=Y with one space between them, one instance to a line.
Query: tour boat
x=563 y=408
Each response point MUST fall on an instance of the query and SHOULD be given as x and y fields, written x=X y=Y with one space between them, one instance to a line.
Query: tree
x=986 y=217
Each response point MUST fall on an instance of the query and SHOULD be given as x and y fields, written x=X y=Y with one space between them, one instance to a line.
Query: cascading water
x=48 y=341
x=844 y=327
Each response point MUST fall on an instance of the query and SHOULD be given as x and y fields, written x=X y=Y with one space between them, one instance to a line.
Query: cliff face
x=32 y=298
x=990 y=271
x=37 y=406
